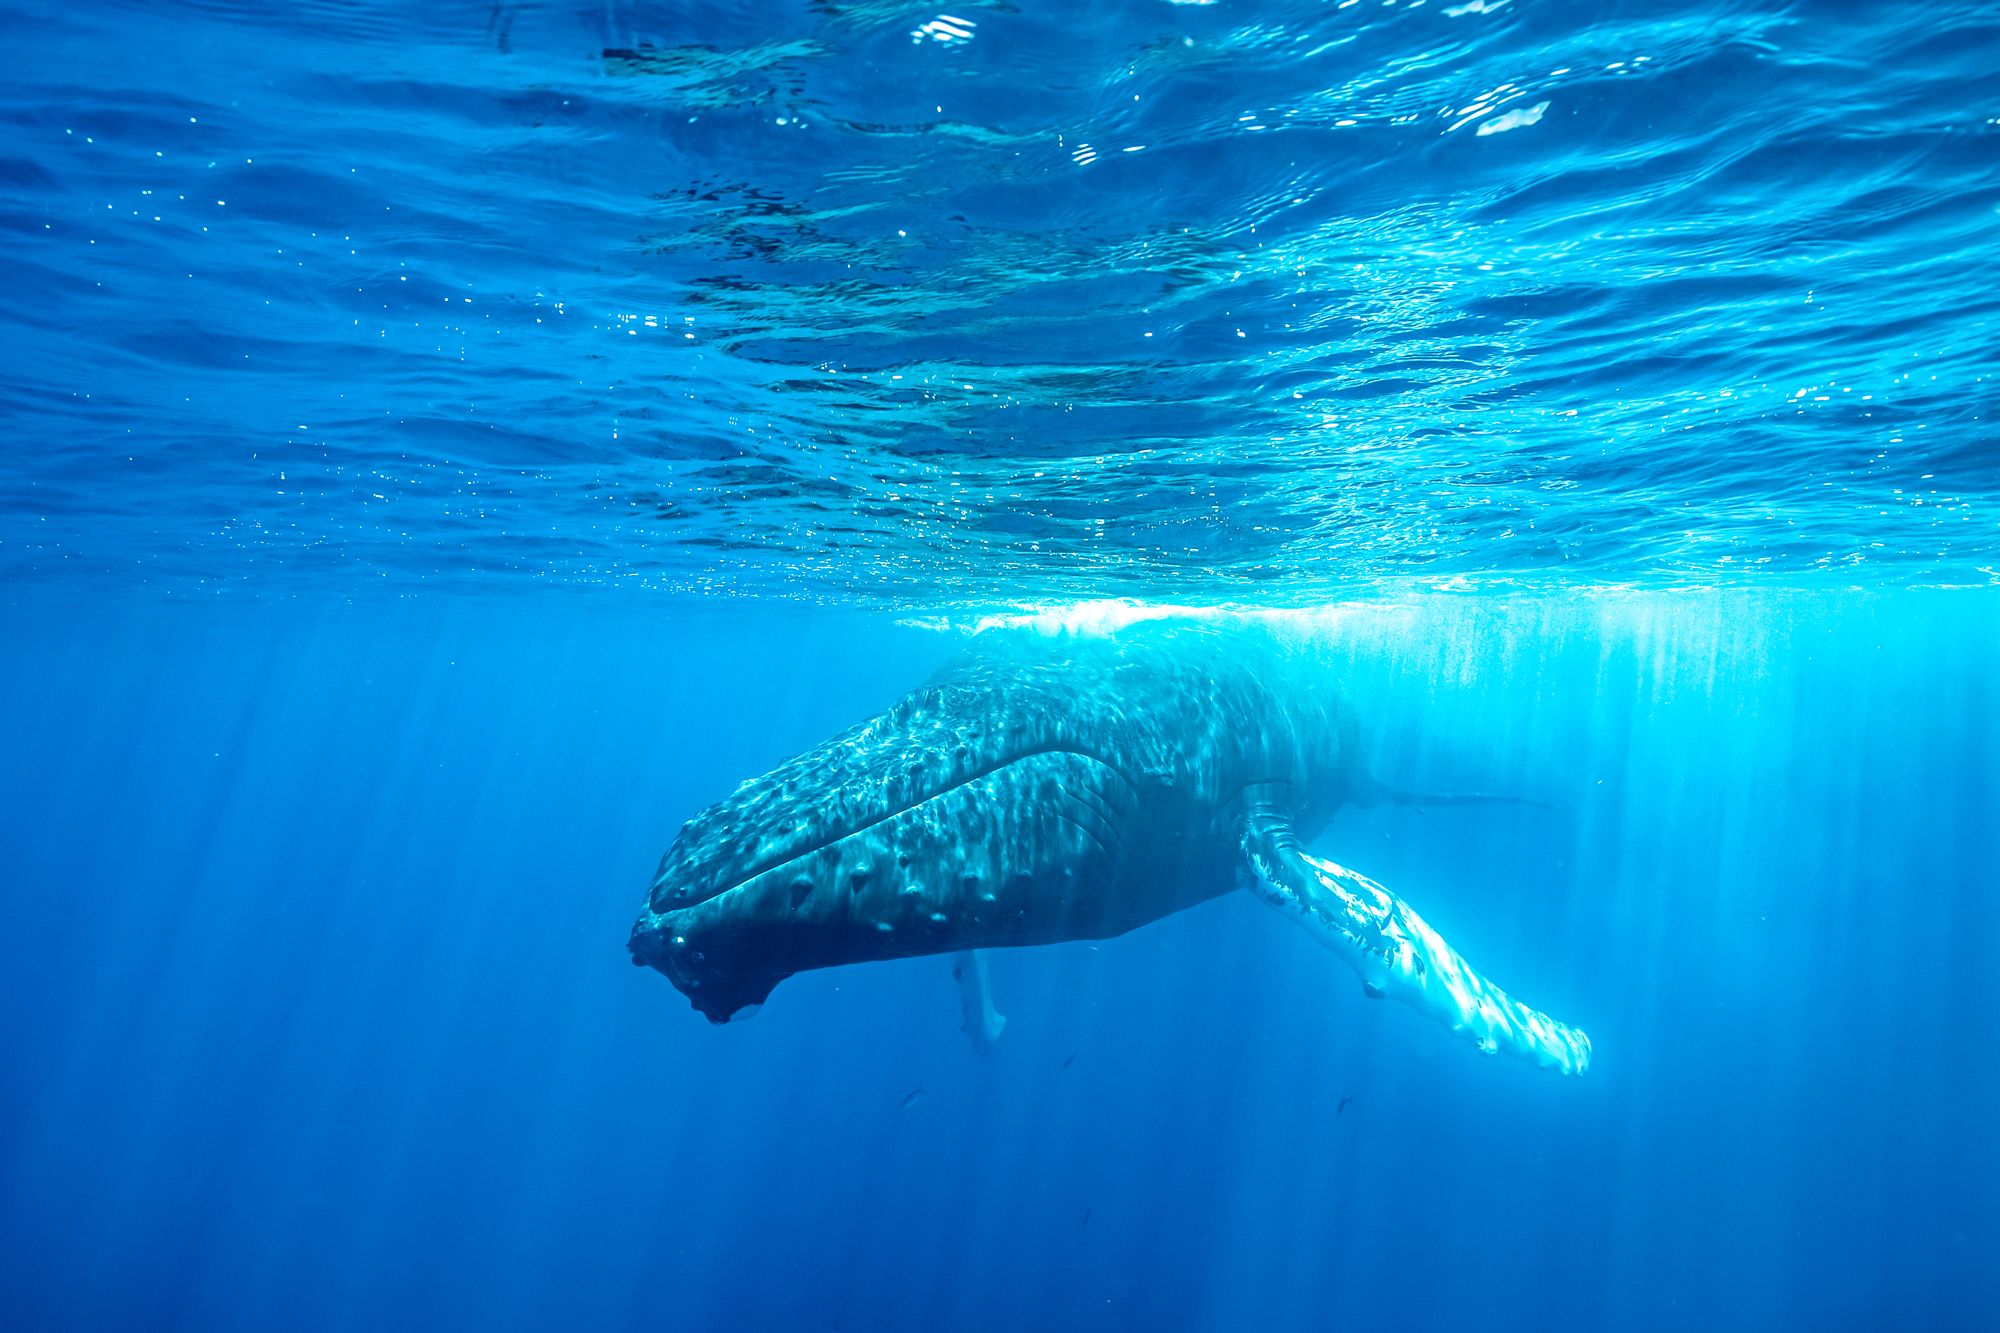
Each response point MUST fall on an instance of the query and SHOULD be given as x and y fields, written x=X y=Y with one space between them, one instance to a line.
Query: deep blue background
x=320 y=1014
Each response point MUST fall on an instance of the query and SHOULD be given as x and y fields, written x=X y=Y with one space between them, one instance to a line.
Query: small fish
x=1086 y=1217
x=1071 y=1060
x=913 y=1095
x=1336 y=1110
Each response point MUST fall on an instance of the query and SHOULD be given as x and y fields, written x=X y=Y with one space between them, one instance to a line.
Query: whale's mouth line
x=842 y=832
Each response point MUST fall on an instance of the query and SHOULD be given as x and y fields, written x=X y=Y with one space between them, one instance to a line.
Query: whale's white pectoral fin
x=978 y=1020
x=1397 y=953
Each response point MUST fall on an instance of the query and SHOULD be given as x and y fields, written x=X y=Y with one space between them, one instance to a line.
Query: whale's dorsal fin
x=1395 y=952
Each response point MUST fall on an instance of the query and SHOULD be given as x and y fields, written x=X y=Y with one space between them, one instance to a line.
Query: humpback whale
x=1035 y=794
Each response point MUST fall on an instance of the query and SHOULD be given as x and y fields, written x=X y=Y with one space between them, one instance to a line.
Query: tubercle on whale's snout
x=715 y=994
x=648 y=946
x=684 y=873
x=657 y=944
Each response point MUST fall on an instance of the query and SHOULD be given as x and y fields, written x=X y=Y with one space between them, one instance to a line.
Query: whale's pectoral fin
x=978 y=1020
x=1395 y=952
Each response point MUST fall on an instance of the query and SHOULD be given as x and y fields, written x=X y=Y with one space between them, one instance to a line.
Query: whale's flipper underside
x=1395 y=952
x=978 y=1020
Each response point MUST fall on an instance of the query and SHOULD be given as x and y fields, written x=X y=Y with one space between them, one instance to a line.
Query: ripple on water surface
x=987 y=305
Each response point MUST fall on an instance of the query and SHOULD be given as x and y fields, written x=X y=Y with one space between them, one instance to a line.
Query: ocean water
x=450 y=446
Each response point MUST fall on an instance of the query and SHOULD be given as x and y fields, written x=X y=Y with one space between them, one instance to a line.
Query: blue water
x=448 y=446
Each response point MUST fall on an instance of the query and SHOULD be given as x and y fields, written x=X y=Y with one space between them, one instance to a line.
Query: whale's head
x=1069 y=796
x=944 y=823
